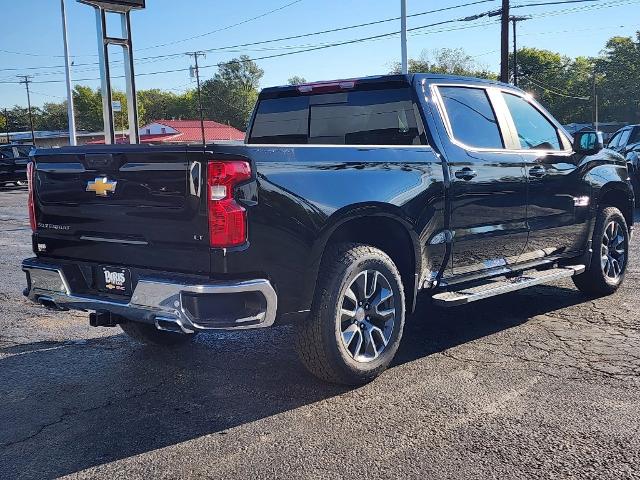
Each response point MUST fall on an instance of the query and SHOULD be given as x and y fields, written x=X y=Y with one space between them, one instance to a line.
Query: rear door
x=123 y=205
x=488 y=182
x=6 y=164
x=21 y=158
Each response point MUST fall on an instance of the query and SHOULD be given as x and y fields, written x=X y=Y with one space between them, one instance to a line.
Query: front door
x=558 y=199
x=488 y=183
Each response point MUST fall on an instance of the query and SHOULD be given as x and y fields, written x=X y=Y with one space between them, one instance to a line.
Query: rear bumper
x=170 y=305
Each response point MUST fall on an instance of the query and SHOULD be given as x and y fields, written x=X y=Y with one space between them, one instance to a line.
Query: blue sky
x=36 y=37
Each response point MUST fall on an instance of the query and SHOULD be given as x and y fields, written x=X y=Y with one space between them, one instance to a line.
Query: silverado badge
x=101 y=186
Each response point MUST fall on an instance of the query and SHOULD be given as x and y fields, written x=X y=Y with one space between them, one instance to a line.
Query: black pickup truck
x=347 y=199
x=13 y=164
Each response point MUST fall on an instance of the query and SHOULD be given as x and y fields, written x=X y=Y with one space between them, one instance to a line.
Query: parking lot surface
x=542 y=383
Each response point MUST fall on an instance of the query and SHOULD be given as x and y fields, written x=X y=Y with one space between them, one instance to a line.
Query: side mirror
x=588 y=142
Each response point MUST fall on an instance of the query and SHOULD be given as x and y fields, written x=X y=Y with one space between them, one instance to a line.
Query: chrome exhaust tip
x=50 y=304
x=170 y=324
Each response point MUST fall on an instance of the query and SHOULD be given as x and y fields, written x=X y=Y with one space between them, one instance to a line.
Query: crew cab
x=347 y=199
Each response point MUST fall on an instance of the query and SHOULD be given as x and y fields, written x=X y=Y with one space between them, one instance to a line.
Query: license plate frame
x=113 y=280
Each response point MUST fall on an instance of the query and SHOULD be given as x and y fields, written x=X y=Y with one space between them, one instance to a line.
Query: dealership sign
x=115 y=5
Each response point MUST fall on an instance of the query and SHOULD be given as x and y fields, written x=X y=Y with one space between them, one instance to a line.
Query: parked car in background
x=626 y=141
x=13 y=164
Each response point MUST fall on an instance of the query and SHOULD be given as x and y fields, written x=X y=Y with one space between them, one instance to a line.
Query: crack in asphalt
x=75 y=412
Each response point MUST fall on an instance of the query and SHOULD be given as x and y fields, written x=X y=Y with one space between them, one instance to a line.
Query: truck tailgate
x=122 y=205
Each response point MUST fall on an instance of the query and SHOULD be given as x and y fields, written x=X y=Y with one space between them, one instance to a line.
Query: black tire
x=319 y=339
x=150 y=335
x=595 y=281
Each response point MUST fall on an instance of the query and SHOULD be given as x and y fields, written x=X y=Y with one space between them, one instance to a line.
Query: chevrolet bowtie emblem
x=101 y=186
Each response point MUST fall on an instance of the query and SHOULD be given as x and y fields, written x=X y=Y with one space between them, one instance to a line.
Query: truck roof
x=399 y=79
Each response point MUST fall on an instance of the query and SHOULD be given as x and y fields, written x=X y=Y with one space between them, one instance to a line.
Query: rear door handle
x=465 y=174
x=537 y=171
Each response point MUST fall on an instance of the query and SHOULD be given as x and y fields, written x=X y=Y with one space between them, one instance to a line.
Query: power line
x=293 y=37
x=309 y=34
x=555 y=92
x=222 y=29
x=265 y=57
x=331 y=45
x=542 y=4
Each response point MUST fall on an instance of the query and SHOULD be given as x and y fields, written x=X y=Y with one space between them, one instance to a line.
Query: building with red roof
x=188 y=131
x=182 y=131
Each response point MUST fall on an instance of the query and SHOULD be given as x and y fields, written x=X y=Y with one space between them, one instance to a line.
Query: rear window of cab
x=368 y=117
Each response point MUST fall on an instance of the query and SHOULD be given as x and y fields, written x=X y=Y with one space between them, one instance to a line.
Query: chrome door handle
x=537 y=172
x=466 y=173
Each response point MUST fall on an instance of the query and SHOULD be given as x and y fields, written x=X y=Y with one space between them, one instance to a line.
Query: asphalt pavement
x=541 y=383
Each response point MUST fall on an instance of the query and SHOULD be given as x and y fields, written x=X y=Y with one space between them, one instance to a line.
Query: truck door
x=488 y=182
x=558 y=199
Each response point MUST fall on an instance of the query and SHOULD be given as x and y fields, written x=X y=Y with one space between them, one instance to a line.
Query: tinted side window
x=376 y=117
x=535 y=132
x=25 y=150
x=624 y=138
x=281 y=120
x=471 y=117
x=635 y=135
x=614 y=140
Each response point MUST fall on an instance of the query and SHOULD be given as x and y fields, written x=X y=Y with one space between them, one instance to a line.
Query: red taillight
x=227 y=219
x=30 y=202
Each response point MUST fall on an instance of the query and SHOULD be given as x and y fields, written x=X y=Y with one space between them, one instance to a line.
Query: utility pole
x=515 y=19
x=403 y=36
x=196 y=70
x=70 y=113
x=504 y=42
x=26 y=79
x=594 y=96
x=6 y=124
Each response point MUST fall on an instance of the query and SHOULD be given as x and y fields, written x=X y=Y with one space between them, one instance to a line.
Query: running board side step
x=499 y=286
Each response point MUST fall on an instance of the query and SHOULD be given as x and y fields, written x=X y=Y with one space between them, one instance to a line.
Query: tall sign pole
x=122 y=8
x=403 y=35
x=70 y=112
x=504 y=42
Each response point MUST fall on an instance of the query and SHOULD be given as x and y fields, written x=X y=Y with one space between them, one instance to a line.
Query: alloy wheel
x=614 y=250
x=367 y=316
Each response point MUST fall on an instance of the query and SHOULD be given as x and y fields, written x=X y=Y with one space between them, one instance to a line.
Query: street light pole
x=403 y=36
x=70 y=112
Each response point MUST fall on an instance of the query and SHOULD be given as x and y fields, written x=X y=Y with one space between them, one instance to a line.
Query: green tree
x=450 y=61
x=561 y=84
x=230 y=95
x=159 y=104
x=18 y=118
x=3 y=123
x=619 y=79
x=296 y=80
x=54 y=117
x=88 y=107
